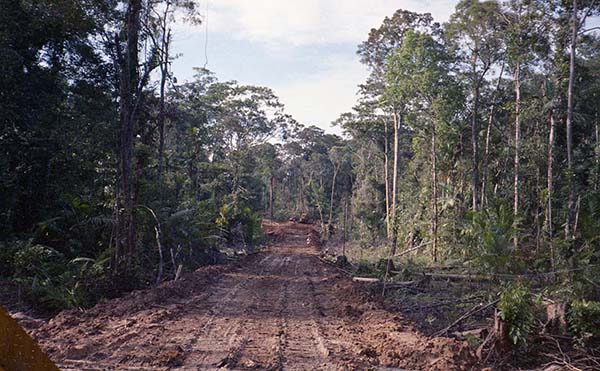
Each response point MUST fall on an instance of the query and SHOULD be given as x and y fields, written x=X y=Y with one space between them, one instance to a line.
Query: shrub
x=516 y=311
x=487 y=237
x=48 y=280
x=35 y=260
x=8 y=249
x=584 y=320
x=239 y=224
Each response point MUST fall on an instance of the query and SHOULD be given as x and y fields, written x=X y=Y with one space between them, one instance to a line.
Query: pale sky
x=304 y=50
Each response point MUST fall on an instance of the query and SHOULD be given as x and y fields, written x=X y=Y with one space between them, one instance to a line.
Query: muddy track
x=279 y=309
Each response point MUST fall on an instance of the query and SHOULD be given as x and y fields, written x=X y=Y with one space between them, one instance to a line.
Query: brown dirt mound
x=389 y=340
x=89 y=334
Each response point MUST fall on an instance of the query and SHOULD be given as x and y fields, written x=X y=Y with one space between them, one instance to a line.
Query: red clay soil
x=281 y=308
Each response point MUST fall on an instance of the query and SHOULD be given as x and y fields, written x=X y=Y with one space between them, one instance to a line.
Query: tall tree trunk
x=271 y=193
x=161 y=114
x=475 y=137
x=597 y=155
x=571 y=177
x=395 y=180
x=392 y=250
x=344 y=236
x=164 y=74
x=488 y=134
x=517 y=160
x=125 y=238
x=387 y=181
x=331 y=198
x=550 y=186
x=434 y=219
x=538 y=207
x=302 y=188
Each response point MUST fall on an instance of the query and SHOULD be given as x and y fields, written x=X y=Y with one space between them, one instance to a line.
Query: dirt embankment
x=281 y=308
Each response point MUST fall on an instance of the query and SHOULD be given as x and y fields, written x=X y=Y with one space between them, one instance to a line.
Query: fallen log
x=396 y=285
x=335 y=266
x=455 y=276
x=466 y=276
x=469 y=313
x=414 y=287
x=492 y=277
x=366 y=279
x=446 y=302
x=480 y=333
x=413 y=249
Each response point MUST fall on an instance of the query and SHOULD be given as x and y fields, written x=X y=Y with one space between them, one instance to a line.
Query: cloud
x=310 y=21
x=304 y=50
x=321 y=98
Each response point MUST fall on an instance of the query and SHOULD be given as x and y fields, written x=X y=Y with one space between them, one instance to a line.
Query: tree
x=419 y=76
x=475 y=32
x=525 y=40
x=269 y=169
x=338 y=157
x=129 y=95
x=575 y=26
x=159 y=30
x=374 y=53
x=370 y=130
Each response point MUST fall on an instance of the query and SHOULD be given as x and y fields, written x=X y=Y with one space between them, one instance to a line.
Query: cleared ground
x=281 y=308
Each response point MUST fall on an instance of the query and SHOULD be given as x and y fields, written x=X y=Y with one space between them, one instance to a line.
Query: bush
x=50 y=281
x=584 y=320
x=35 y=260
x=516 y=310
x=8 y=249
x=487 y=235
x=364 y=267
x=411 y=268
x=239 y=224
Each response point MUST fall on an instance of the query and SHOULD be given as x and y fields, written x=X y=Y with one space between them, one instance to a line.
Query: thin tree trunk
x=392 y=250
x=161 y=131
x=597 y=153
x=434 y=219
x=271 y=193
x=331 y=198
x=538 y=206
x=387 y=181
x=475 y=138
x=164 y=73
x=345 y=225
x=320 y=210
x=395 y=180
x=302 y=188
x=575 y=223
x=550 y=179
x=488 y=133
x=517 y=154
x=538 y=203
x=571 y=178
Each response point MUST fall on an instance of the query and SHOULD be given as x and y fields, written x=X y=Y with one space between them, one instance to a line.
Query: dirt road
x=279 y=309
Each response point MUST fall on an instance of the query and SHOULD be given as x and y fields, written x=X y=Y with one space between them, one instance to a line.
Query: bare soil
x=281 y=308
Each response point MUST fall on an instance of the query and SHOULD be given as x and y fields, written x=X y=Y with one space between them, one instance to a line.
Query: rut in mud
x=281 y=308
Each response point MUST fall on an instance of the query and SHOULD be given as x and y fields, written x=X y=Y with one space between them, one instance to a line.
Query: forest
x=472 y=154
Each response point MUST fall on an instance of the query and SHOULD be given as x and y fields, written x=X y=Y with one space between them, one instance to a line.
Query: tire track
x=283 y=309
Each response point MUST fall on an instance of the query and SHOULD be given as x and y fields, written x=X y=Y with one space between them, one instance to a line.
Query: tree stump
x=341 y=261
x=503 y=343
x=556 y=317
